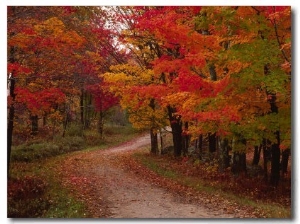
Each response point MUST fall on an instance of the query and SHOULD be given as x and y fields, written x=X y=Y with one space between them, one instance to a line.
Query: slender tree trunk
x=284 y=161
x=256 y=155
x=45 y=120
x=161 y=141
x=65 y=125
x=185 y=140
x=101 y=120
x=67 y=118
x=275 y=162
x=176 y=125
x=11 y=116
x=154 y=141
x=34 y=124
x=223 y=154
x=212 y=142
x=275 y=149
x=100 y=124
x=239 y=164
x=200 y=146
x=82 y=107
x=266 y=157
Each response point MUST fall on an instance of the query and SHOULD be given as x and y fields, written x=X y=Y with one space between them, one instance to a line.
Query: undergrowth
x=34 y=186
x=249 y=191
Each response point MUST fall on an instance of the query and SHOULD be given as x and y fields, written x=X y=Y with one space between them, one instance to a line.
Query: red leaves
x=17 y=69
x=40 y=102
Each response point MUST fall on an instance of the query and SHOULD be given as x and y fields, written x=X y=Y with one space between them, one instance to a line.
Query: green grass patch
x=39 y=149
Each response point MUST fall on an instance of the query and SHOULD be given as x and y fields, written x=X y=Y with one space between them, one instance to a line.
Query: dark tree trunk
x=256 y=155
x=200 y=147
x=82 y=107
x=275 y=149
x=266 y=158
x=223 y=154
x=44 y=120
x=153 y=131
x=154 y=141
x=100 y=124
x=212 y=72
x=65 y=125
x=11 y=116
x=239 y=164
x=161 y=141
x=34 y=124
x=185 y=140
x=212 y=142
x=275 y=162
x=101 y=120
x=284 y=161
x=176 y=125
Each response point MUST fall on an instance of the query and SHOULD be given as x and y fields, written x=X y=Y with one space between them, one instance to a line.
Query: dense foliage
x=215 y=74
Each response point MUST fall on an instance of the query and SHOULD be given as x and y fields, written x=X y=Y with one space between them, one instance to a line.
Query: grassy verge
x=34 y=187
x=40 y=149
x=158 y=165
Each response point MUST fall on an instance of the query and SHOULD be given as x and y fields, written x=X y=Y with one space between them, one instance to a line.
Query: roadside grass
x=159 y=164
x=35 y=189
x=38 y=149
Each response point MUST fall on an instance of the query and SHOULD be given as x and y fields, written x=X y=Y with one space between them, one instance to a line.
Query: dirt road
x=111 y=191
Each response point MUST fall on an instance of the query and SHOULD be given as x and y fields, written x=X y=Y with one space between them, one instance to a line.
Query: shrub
x=26 y=197
x=30 y=152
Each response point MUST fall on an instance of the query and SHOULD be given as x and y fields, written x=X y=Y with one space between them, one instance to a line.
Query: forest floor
x=113 y=184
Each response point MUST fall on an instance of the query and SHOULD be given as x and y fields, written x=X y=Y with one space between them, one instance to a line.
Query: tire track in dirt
x=111 y=191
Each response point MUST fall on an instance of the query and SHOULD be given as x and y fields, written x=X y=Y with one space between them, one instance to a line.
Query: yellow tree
x=131 y=83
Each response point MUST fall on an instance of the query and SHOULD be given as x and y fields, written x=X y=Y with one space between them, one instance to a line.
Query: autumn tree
x=54 y=55
x=223 y=70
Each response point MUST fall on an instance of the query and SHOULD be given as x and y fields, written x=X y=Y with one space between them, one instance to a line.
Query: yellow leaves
x=54 y=24
x=55 y=116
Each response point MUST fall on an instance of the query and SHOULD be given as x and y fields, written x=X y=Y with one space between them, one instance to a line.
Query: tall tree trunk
x=161 y=137
x=212 y=142
x=34 y=124
x=176 y=125
x=154 y=141
x=67 y=119
x=239 y=164
x=275 y=149
x=275 y=162
x=65 y=125
x=200 y=146
x=153 y=130
x=100 y=124
x=266 y=158
x=256 y=155
x=101 y=120
x=285 y=160
x=11 y=116
x=185 y=140
x=223 y=154
x=82 y=108
x=87 y=110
